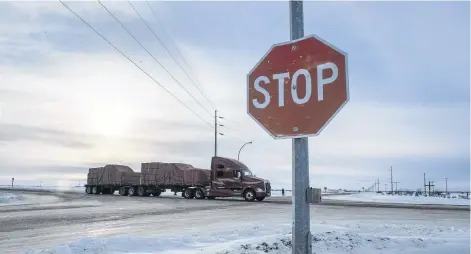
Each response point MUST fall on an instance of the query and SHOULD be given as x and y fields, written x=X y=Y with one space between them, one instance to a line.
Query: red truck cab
x=232 y=178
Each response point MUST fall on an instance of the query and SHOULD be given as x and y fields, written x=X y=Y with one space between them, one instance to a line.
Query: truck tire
x=95 y=190
x=199 y=194
x=123 y=191
x=260 y=198
x=249 y=195
x=156 y=193
x=141 y=191
x=88 y=190
x=132 y=191
x=188 y=194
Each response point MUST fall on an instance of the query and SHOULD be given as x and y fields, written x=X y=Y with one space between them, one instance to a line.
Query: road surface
x=70 y=216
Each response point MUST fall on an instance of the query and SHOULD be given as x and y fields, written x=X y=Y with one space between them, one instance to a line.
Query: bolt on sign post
x=293 y=92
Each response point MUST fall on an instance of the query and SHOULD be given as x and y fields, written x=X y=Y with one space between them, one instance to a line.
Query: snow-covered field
x=380 y=198
x=7 y=199
x=274 y=237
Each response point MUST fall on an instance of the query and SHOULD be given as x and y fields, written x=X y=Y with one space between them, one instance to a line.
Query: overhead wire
x=134 y=63
x=168 y=51
x=178 y=50
x=160 y=64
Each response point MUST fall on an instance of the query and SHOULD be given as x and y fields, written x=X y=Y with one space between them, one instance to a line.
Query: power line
x=176 y=47
x=166 y=49
x=160 y=64
x=129 y=59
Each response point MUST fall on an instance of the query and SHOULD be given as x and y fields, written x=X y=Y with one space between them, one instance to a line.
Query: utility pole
x=425 y=186
x=378 y=184
x=446 y=185
x=396 y=185
x=392 y=191
x=216 y=131
x=430 y=184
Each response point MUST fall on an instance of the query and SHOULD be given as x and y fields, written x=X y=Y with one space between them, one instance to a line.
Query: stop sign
x=298 y=87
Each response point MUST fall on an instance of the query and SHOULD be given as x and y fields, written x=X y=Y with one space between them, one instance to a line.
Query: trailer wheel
x=260 y=198
x=156 y=193
x=88 y=190
x=95 y=190
x=249 y=195
x=132 y=191
x=141 y=191
x=188 y=194
x=199 y=194
x=123 y=191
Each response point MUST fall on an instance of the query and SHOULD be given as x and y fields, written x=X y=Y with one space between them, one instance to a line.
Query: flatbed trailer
x=227 y=178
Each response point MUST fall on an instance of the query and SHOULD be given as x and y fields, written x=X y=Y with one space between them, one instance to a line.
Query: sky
x=70 y=101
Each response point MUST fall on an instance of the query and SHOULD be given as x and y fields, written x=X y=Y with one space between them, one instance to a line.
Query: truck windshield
x=246 y=172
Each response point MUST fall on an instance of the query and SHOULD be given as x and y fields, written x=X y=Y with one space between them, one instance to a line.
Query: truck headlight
x=258 y=190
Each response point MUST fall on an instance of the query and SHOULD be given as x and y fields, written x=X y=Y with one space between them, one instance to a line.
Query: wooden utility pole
x=425 y=186
x=392 y=190
x=430 y=184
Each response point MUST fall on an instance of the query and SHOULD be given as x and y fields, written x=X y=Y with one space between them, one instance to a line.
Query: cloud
x=15 y=132
x=74 y=102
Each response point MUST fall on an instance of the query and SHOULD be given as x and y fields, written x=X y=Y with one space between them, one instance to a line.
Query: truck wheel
x=123 y=191
x=199 y=194
x=132 y=191
x=188 y=194
x=260 y=198
x=141 y=191
x=95 y=190
x=249 y=195
x=156 y=193
x=88 y=190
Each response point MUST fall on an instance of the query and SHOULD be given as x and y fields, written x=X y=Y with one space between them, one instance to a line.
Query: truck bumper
x=262 y=193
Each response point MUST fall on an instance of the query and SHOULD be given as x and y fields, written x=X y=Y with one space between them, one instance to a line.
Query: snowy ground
x=274 y=237
x=382 y=198
x=79 y=223
x=9 y=199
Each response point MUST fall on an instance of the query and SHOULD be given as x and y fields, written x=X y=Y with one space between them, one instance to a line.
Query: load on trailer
x=226 y=178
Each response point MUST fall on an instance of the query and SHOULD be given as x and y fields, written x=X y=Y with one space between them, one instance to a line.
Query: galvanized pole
x=301 y=215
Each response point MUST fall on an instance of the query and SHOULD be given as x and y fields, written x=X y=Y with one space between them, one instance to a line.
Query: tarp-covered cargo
x=179 y=174
x=113 y=174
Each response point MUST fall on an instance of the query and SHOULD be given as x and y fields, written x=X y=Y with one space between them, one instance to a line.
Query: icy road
x=77 y=223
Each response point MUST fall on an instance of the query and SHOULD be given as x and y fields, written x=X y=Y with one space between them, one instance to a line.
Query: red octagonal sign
x=298 y=87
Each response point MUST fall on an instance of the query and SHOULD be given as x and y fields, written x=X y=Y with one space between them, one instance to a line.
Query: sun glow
x=108 y=118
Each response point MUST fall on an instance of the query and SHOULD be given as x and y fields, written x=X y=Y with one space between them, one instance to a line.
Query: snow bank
x=381 y=198
x=80 y=189
x=7 y=198
x=10 y=198
x=275 y=238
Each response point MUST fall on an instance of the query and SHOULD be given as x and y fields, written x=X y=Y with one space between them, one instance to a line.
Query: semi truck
x=226 y=178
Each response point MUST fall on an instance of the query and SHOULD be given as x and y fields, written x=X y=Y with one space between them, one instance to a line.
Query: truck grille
x=267 y=187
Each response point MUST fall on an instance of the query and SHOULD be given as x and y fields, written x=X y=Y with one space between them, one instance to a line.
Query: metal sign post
x=301 y=233
x=294 y=91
